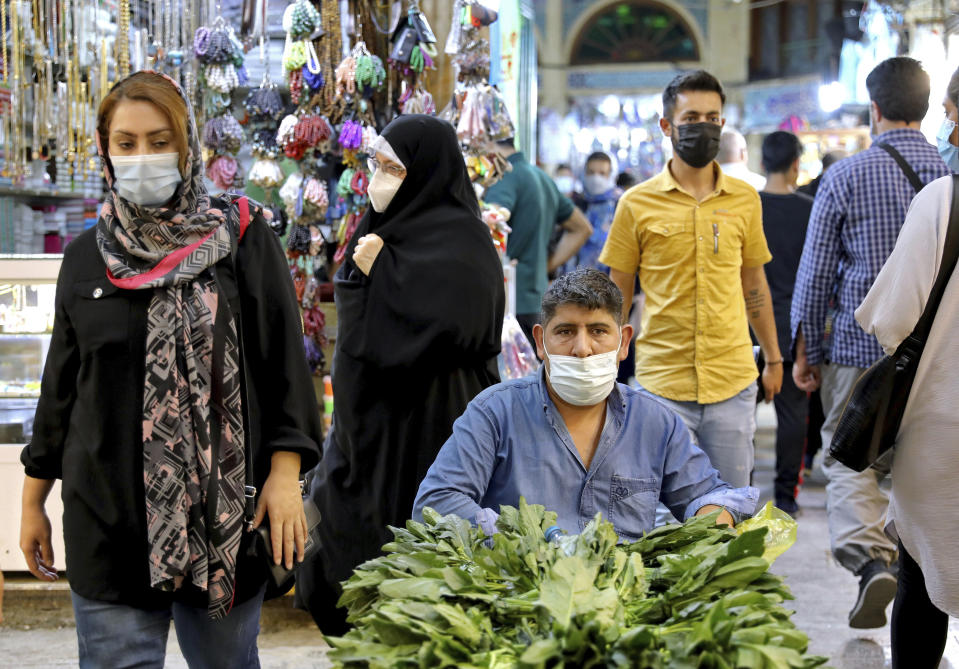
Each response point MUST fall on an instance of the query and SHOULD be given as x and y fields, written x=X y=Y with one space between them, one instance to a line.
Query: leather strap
x=903 y=165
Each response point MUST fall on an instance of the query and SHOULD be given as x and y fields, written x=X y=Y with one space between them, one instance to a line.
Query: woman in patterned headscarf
x=141 y=410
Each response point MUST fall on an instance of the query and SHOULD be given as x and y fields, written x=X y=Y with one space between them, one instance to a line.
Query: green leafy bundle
x=684 y=596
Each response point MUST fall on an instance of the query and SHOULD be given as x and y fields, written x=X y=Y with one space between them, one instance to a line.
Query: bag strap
x=903 y=165
x=950 y=254
x=249 y=486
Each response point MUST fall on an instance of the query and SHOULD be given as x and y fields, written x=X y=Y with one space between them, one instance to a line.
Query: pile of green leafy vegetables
x=683 y=596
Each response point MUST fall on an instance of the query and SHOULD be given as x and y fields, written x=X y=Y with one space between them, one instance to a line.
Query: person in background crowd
x=565 y=180
x=828 y=160
x=571 y=438
x=420 y=302
x=536 y=206
x=695 y=237
x=143 y=409
x=598 y=201
x=785 y=217
x=733 y=158
x=859 y=209
x=924 y=470
x=625 y=181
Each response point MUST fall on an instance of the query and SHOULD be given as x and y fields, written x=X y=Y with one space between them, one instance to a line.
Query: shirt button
x=699 y=362
x=699 y=331
x=97 y=292
x=700 y=238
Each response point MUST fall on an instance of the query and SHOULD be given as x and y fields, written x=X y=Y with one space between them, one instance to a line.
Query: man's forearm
x=759 y=313
x=625 y=281
x=577 y=231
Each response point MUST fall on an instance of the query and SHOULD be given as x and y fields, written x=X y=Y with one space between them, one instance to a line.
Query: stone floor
x=39 y=634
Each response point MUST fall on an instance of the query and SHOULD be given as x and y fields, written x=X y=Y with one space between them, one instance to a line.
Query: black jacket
x=88 y=426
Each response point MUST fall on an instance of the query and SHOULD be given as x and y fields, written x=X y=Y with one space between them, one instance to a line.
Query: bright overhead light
x=831 y=96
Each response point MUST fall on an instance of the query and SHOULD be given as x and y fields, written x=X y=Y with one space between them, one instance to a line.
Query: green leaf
x=428 y=589
x=541 y=652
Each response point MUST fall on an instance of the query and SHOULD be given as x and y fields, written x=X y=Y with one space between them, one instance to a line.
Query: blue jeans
x=724 y=430
x=115 y=636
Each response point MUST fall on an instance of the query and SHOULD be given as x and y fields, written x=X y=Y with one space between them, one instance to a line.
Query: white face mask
x=565 y=184
x=597 y=184
x=381 y=190
x=147 y=180
x=585 y=381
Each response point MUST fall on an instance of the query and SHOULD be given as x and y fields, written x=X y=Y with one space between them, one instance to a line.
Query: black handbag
x=280 y=578
x=870 y=419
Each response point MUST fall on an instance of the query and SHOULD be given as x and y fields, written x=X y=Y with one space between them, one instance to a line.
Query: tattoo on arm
x=754 y=302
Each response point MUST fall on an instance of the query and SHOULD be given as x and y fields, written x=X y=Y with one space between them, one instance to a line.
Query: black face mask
x=698 y=143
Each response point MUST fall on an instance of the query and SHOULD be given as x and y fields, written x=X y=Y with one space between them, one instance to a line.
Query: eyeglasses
x=392 y=169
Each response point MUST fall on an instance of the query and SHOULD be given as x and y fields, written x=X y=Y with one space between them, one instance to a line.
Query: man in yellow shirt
x=695 y=237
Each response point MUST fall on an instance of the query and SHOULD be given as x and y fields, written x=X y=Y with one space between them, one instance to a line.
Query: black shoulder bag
x=281 y=578
x=870 y=420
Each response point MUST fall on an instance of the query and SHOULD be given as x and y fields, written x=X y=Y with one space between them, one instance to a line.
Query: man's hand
x=725 y=518
x=772 y=380
x=281 y=498
x=367 y=248
x=35 y=542
x=806 y=377
x=577 y=230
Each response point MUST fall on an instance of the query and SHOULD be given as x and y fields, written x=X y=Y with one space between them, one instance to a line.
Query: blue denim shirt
x=512 y=441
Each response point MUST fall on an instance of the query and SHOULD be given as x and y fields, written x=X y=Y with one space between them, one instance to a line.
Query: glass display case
x=27 y=290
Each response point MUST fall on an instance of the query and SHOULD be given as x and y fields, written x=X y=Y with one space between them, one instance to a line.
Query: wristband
x=774 y=362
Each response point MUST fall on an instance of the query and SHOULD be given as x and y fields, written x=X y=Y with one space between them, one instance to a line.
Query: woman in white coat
x=924 y=509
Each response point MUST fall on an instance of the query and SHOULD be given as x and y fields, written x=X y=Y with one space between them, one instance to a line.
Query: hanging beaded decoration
x=220 y=57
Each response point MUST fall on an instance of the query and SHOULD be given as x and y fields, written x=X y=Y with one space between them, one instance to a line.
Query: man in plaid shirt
x=859 y=209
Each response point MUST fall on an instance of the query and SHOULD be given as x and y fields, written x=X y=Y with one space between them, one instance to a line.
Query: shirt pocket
x=101 y=318
x=666 y=244
x=728 y=236
x=632 y=506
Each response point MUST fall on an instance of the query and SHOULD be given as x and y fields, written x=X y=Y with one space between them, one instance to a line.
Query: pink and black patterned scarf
x=170 y=251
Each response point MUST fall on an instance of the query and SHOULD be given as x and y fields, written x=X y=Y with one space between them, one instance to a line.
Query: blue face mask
x=948 y=150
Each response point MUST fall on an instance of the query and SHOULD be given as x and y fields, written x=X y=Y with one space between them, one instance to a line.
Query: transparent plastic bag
x=517 y=358
x=780 y=530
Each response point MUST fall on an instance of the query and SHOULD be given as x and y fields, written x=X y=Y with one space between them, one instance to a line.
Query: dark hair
x=625 y=180
x=900 y=88
x=952 y=90
x=780 y=151
x=508 y=142
x=833 y=157
x=599 y=155
x=585 y=287
x=699 y=80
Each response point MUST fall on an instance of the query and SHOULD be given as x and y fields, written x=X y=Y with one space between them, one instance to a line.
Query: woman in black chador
x=420 y=303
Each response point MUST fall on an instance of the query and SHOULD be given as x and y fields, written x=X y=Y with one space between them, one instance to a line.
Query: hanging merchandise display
x=264 y=108
x=412 y=55
x=477 y=110
x=221 y=71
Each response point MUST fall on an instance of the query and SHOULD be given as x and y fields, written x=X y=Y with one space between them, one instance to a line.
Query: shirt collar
x=517 y=157
x=900 y=133
x=667 y=182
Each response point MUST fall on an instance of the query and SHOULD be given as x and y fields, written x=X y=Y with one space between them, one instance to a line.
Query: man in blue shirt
x=859 y=208
x=572 y=439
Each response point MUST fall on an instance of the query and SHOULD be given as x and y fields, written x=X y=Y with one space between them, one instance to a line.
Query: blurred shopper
x=828 y=160
x=922 y=509
x=536 y=206
x=598 y=202
x=859 y=209
x=172 y=313
x=420 y=303
x=734 y=158
x=785 y=217
x=695 y=237
x=565 y=180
